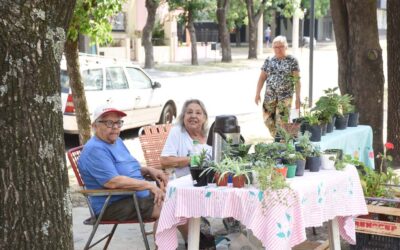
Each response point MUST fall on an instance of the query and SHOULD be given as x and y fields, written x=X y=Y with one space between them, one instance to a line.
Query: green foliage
x=200 y=9
x=328 y=105
x=345 y=105
x=158 y=34
x=92 y=18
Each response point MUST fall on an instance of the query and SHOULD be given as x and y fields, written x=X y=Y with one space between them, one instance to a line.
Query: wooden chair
x=152 y=139
x=95 y=221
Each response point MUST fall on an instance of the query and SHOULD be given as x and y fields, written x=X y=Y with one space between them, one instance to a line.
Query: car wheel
x=168 y=114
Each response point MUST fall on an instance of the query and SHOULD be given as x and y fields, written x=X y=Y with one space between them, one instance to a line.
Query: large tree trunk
x=254 y=17
x=35 y=203
x=360 y=60
x=77 y=89
x=393 y=62
x=151 y=6
x=222 y=6
x=193 y=40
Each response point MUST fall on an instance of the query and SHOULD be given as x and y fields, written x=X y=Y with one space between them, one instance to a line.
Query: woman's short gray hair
x=280 y=39
x=181 y=117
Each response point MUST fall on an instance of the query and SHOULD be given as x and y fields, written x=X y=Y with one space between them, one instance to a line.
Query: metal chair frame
x=73 y=156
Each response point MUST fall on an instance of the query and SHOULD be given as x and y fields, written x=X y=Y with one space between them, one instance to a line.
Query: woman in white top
x=192 y=125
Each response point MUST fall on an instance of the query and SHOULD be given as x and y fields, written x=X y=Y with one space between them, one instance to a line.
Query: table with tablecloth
x=277 y=218
x=355 y=141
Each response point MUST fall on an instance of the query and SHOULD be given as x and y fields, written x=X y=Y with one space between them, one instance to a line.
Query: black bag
x=207 y=242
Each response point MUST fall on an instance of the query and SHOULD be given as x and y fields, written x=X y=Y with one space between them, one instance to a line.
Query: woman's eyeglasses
x=110 y=124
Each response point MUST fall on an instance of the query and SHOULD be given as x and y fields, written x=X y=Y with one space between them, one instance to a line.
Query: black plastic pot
x=313 y=163
x=323 y=129
x=301 y=165
x=316 y=132
x=200 y=180
x=353 y=119
x=341 y=122
x=331 y=125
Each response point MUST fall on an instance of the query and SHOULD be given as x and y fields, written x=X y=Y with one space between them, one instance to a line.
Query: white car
x=124 y=84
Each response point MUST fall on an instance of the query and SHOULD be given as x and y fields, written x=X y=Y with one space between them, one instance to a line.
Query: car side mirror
x=156 y=85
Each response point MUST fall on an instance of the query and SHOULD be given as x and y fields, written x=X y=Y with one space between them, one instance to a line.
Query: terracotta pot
x=239 y=181
x=282 y=171
x=221 y=182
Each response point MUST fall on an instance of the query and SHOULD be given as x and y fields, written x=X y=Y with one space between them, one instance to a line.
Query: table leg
x=194 y=233
x=333 y=233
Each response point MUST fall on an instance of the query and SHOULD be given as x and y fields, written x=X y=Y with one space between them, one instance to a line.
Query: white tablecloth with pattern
x=278 y=219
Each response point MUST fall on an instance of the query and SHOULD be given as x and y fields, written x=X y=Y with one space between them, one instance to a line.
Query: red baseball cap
x=105 y=109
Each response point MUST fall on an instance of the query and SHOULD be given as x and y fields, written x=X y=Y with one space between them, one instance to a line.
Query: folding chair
x=152 y=139
x=73 y=156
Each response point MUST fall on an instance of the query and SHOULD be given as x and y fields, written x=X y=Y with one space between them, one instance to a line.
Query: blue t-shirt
x=100 y=161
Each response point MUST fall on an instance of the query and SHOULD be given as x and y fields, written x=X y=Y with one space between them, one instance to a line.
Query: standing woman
x=282 y=76
x=191 y=126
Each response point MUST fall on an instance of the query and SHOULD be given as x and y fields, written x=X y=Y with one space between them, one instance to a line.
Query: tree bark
x=393 y=64
x=78 y=91
x=151 y=6
x=254 y=17
x=193 y=40
x=222 y=6
x=35 y=203
x=360 y=60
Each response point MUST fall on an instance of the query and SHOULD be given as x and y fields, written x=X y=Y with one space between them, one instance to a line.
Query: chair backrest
x=73 y=156
x=152 y=139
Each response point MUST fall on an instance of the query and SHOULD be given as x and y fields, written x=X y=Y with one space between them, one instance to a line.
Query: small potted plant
x=313 y=125
x=345 y=107
x=240 y=172
x=328 y=106
x=313 y=159
x=290 y=160
x=220 y=170
x=204 y=160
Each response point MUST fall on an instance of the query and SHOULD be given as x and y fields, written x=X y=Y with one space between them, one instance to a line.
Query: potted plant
x=312 y=119
x=221 y=171
x=345 y=107
x=313 y=159
x=240 y=172
x=203 y=163
x=328 y=106
x=290 y=160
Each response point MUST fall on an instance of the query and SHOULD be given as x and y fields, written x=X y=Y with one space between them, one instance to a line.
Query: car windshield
x=92 y=80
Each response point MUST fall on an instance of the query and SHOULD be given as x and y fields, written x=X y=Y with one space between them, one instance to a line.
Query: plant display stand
x=380 y=229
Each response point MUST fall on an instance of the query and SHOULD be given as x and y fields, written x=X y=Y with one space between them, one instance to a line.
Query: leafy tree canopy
x=92 y=18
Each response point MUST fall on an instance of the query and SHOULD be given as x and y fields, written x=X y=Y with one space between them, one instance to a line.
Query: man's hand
x=159 y=176
x=158 y=195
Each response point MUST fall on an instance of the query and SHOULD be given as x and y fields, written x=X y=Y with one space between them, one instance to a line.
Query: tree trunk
x=360 y=60
x=193 y=40
x=151 y=6
x=35 y=202
x=78 y=92
x=393 y=64
x=254 y=17
x=237 y=36
x=222 y=6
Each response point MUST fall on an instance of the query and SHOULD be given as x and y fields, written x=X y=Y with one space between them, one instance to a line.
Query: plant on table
x=328 y=105
x=239 y=170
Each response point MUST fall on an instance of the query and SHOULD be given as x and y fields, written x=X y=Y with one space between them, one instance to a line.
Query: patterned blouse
x=279 y=83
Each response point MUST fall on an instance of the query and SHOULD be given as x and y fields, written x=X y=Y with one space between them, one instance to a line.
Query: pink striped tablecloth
x=279 y=218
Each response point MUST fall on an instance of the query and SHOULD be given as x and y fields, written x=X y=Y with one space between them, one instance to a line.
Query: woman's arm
x=297 y=88
x=174 y=161
x=260 y=84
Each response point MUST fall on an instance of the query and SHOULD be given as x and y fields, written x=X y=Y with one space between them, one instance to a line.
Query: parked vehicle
x=124 y=84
